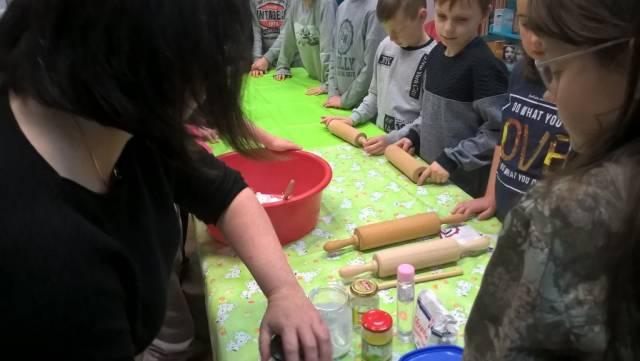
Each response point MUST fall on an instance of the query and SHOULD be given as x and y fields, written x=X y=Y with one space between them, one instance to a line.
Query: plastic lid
x=406 y=273
x=364 y=288
x=377 y=321
x=435 y=353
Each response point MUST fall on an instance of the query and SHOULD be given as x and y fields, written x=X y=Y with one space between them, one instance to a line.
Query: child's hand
x=330 y=118
x=280 y=77
x=407 y=145
x=376 y=145
x=259 y=67
x=435 y=174
x=281 y=145
x=484 y=207
x=316 y=91
x=334 y=102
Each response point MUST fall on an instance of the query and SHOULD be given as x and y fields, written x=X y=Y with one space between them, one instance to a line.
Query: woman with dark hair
x=94 y=154
x=563 y=283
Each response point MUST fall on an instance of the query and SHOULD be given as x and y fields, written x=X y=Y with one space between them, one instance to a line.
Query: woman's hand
x=291 y=315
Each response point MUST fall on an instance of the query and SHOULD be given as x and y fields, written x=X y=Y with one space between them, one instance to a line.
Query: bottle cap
x=377 y=321
x=406 y=273
x=364 y=288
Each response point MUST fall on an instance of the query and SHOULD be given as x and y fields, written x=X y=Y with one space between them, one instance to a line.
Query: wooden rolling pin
x=420 y=255
x=395 y=231
x=427 y=277
x=347 y=133
x=408 y=165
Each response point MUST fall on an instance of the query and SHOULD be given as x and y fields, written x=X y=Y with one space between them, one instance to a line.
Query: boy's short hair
x=484 y=4
x=387 y=9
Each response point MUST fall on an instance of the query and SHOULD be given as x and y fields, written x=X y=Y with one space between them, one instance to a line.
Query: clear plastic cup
x=332 y=302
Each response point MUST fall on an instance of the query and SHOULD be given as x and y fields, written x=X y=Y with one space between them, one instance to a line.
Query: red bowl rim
x=298 y=197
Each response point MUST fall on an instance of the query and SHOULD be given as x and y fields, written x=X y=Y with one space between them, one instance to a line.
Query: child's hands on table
x=334 y=102
x=407 y=145
x=316 y=91
x=330 y=118
x=435 y=174
x=376 y=145
x=484 y=207
x=259 y=67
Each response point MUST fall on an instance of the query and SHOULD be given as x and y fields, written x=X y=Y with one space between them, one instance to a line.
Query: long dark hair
x=134 y=65
x=588 y=23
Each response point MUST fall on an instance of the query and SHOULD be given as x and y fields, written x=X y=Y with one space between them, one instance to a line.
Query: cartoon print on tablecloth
x=346 y=204
x=422 y=191
x=350 y=227
x=326 y=219
x=307 y=277
x=234 y=272
x=479 y=269
x=299 y=247
x=356 y=261
x=367 y=214
x=386 y=296
x=355 y=167
x=239 y=339
x=224 y=310
x=376 y=196
x=321 y=233
x=359 y=185
x=373 y=174
x=252 y=288
x=406 y=205
x=393 y=186
x=463 y=288
x=445 y=199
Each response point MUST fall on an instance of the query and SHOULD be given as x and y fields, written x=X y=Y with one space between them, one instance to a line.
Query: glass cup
x=332 y=302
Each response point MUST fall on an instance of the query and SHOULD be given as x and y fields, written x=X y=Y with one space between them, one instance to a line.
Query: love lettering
x=528 y=155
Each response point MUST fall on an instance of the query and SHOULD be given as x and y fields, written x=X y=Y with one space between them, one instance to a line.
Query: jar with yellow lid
x=377 y=336
x=364 y=297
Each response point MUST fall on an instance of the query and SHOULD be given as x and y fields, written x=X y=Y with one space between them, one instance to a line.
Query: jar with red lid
x=377 y=336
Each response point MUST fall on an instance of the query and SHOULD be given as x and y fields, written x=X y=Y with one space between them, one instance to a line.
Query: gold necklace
x=103 y=179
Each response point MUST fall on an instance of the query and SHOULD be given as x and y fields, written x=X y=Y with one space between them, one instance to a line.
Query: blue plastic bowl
x=435 y=353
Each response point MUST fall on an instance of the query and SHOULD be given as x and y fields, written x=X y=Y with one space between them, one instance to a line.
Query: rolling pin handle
x=333 y=246
x=476 y=246
x=352 y=271
x=453 y=219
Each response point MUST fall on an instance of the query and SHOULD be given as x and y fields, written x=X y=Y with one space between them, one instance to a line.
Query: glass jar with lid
x=377 y=336
x=364 y=298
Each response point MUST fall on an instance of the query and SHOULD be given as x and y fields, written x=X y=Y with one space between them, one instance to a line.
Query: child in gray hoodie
x=357 y=37
x=309 y=33
x=268 y=29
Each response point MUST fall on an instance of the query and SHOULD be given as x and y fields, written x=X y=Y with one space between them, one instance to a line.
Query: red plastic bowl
x=296 y=217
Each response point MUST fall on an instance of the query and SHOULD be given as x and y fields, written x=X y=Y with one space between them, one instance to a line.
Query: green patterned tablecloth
x=363 y=190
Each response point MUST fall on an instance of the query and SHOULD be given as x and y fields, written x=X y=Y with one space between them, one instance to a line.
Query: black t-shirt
x=84 y=275
x=533 y=141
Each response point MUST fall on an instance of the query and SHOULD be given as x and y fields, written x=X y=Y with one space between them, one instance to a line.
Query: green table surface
x=364 y=189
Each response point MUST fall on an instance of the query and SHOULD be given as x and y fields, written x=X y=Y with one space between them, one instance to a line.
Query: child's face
x=530 y=41
x=457 y=25
x=588 y=94
x=405 y=31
